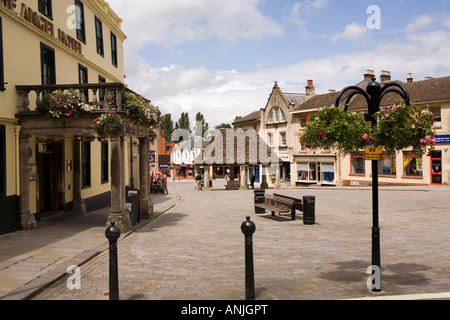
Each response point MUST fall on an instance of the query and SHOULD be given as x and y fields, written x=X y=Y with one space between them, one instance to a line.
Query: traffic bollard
x=112 y=234
x=248 y=228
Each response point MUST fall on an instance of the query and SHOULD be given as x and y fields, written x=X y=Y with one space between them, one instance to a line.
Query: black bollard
x=112 y=234
x=248 y=228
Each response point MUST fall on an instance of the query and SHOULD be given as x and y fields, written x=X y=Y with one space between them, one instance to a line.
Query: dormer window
x=276 y=115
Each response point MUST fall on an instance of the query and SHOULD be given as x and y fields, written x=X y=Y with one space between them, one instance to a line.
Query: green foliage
x=64 y=104
x=401 y=126
x=333 y=127
x=398 y=127
x=109 y=125
x=139 y=110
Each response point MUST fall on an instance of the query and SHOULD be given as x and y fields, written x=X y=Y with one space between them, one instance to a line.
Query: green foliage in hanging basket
x=67 y=104
x=140 y=111
x=333 y=127
x=398 y=127
x=109 y=125
x=401 y=126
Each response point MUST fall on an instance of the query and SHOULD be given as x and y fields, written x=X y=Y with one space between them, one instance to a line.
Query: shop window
x=45 y=7
x=2 y=75
x=327 y=173
x=412 y=164
x=86 y=164
x=99 y=36
x=437 y=117
x=2 y=161
x=436 y=167
x=306 y=172
x=79 y=14
x=357 y=163
x=387 y=166
x=114 y=49
x=105 y=162
x=48 y=72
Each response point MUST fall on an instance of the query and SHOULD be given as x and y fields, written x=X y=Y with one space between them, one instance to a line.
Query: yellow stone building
x=49 y=166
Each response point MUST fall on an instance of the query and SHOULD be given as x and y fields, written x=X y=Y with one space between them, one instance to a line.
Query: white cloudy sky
x=222 y=58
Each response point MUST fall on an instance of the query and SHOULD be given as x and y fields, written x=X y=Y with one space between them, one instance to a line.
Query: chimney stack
x=385 y=76
x=369 y=75
x=410 y=78
x=310 y=90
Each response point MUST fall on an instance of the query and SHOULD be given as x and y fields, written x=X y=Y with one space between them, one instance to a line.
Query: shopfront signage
x=42 y=24
x=443 y=139
x=374 y=154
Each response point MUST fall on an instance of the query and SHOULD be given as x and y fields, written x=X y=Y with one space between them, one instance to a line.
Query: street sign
x=374 y=154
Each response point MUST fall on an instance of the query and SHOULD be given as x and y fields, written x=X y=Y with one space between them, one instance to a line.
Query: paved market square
x=195 y=249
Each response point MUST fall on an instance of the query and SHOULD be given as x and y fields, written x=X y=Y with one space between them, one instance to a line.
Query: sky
x=222 y=58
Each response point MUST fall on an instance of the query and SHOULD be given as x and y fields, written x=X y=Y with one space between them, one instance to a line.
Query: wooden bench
x=281 y=204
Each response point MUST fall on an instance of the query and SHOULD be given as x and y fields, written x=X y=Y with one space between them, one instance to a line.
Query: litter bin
x=309 y=210
x=259 y=198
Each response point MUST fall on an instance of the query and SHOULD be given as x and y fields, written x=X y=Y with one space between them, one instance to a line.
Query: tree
x=167 y=125
x=184 y=123
x=223 y=125
x=200 y=119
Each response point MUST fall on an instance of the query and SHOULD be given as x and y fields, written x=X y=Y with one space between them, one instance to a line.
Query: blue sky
x=221 y=58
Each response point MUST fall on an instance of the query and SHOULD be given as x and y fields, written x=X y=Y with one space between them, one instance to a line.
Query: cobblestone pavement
x=195 y=251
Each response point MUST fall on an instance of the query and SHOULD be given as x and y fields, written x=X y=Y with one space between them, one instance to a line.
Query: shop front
x=315 y=170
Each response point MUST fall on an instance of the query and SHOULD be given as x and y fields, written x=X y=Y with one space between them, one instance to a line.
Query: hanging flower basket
x=399 y=127
x=67 y=104
x=333 y=127
x=109 y=125
x=140 y=111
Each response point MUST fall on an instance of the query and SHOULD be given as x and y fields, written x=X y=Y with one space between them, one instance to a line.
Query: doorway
x=50 y=164
x=436 y=167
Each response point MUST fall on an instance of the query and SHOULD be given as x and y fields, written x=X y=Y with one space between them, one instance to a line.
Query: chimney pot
x=385 y=76
x=310 y=90
x=369 y=74
x=410 y=78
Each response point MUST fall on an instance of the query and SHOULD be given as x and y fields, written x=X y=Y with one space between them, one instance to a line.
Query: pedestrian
x=252 y=181
x=164 y=183
x=198 y=180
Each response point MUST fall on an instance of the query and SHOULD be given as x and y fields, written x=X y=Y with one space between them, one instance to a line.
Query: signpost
x=374 y=154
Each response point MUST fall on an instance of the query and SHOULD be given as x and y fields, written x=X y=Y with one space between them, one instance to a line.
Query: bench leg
x=273 y=213
x=293 y=214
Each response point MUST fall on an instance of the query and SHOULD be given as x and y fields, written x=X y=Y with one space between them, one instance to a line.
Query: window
x=83 y=79
x=437 y=115
x=270 y=139
x=86 y=164
x=327 y=173
x=79 y=14
x=2 y=75
x=48 y=73
x=357 y=163
x=114 y=49
x=276 y=115
x=105 y=162
x=306 y=171
x=303 y=122
x=283 y=139
x=45 y=7
x=387 y=166
x=2 y=161
x=99 y=35
x=101 y=92
x=412 y=164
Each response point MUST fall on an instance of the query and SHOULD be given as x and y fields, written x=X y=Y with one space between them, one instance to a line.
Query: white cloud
x=352 y=31
x=301 y=10
x=174 y=22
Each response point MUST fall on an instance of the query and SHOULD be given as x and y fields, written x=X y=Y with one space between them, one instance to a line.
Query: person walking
x=198 y=180
x=164 y=183
x=252 y=181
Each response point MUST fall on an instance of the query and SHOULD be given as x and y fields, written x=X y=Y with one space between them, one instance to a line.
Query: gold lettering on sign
x=37 y=20
x=45 y=25
x=9 y=4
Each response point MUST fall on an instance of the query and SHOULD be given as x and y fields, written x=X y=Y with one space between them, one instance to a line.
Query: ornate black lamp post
x=373 y=95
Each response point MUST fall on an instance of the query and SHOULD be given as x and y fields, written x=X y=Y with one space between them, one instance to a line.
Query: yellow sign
x=374 y=154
